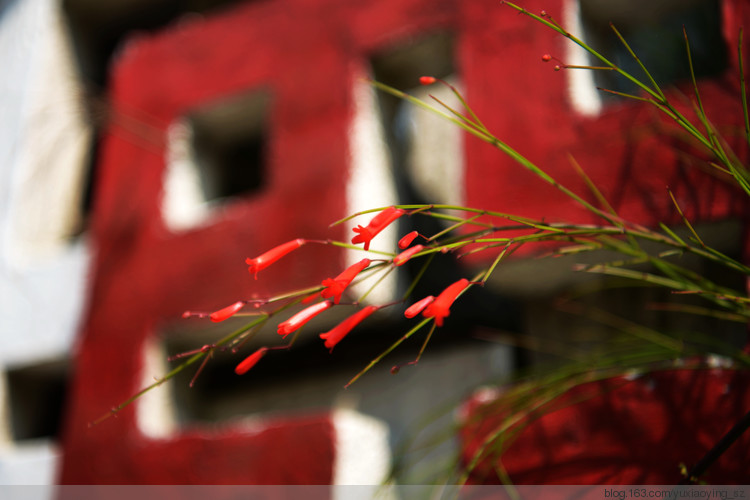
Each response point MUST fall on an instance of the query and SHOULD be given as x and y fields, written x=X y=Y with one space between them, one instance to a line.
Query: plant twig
x=722 y=445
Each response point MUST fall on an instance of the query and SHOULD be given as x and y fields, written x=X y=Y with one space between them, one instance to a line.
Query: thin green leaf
x=700 y=311
x=685 y=219
x=465 y=119
x=388 y=351
x=672 y=234
x=640 y=63
x=418 y=277
x=497 y=260
x=701 y=112
x=592 y=186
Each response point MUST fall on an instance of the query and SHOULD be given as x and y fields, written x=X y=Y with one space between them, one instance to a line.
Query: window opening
x=654 y=32
x=36 y=395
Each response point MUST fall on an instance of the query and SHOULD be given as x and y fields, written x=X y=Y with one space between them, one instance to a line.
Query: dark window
x=229 y=143
x=36 y=395
x=654 y=32
x=307 y=378
x=97 y=30
x=400 y=67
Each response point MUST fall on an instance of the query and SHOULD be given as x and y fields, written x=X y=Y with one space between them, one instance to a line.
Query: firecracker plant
x=469 y=230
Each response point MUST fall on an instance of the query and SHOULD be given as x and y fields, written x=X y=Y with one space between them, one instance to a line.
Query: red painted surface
x=145 y=276
x=307 y=55
x=624 y=432
x=524 y=102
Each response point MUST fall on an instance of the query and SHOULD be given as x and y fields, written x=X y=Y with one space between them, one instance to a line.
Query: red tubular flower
x=427 y=80
x=440 y=307
x=302 y=317
x=309 y=298
x=406 y=240
x=227 y=312
x=338 y=332
x=377 y=224
x=403 y=257
x=417 y=307
x=250 y=361
x=337 y=285
x=271 y=256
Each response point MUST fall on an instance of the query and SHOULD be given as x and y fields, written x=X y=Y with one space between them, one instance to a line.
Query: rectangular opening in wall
x=229 y=145
x=402 y=64
x=95 y=32
x=302 y=379
x=425 y=150
x=36 y=395
x=654 y=32
x=308 y=378
x=215 y=153
x=99 y=28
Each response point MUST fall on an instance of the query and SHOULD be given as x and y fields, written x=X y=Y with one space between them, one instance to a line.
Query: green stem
x=388 y=351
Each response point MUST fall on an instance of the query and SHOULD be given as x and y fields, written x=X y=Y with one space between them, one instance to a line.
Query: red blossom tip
x=264 y=260
x=364 y=236
x=440 y=307
x=403 y=257
x=427 y=80
x=546 y=58
x=407 y=240
x=335 y=287
x=417 y=307
x=337 y=333
x=250 y=361
x=226 y=312
x=376 y=225
x=309 y=298
x=295 y=322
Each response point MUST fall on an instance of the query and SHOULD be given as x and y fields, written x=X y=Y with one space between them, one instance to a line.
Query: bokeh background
x=150 y=146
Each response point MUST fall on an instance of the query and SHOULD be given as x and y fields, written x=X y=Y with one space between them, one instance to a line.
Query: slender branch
x=718 y=449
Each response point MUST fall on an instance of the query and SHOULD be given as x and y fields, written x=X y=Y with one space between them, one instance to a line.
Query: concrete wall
x=43 y=257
